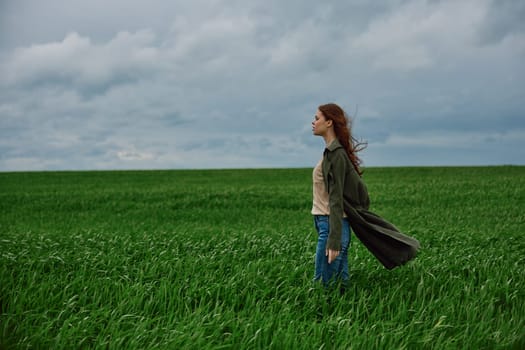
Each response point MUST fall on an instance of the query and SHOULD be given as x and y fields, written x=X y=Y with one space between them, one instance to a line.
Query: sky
x=123 y=84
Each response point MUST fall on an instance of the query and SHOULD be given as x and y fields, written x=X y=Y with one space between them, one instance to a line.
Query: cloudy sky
x=122 y=84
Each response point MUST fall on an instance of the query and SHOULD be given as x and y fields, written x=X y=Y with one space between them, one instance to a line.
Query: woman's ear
x=329 y=123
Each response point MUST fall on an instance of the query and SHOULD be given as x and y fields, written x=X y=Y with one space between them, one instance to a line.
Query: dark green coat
x=348 y=194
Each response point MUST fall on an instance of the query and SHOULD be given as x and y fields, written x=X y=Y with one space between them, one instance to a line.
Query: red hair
x=343 y=131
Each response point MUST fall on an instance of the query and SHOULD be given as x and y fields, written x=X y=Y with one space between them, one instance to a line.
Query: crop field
x=224 y=259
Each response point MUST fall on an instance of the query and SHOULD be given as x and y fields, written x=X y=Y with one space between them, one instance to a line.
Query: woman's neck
x=329 y=138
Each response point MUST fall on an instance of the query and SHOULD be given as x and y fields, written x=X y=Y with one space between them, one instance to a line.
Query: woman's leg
x=342 y=271
x=321 y=261
x=338 y=269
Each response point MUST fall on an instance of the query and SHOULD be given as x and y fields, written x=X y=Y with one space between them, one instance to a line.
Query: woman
x=340 y=203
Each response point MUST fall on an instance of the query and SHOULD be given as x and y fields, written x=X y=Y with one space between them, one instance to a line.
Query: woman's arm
x=336 y=178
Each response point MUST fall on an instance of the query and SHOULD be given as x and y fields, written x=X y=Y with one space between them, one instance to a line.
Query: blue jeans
x=338 y=269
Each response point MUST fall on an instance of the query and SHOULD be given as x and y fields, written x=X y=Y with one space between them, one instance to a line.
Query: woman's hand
x=332 y=255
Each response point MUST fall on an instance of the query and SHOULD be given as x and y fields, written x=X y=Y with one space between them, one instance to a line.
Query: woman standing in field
x=340 y=203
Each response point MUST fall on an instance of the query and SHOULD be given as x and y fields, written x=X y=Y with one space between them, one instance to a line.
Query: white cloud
x=77 y=61
x=133 y=155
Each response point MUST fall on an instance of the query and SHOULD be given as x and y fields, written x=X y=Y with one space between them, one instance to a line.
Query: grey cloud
x=172 y=119
x=38 y=22
x=503 y=18
x=180 y=84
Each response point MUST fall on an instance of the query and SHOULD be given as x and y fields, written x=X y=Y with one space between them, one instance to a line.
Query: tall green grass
x=224 y=259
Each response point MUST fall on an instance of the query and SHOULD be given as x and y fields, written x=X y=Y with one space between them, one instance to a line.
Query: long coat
x=348 y=194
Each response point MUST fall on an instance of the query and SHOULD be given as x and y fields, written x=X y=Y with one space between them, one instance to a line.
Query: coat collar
x=334 y=145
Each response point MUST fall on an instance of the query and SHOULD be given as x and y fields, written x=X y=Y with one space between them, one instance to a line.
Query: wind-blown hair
x=343 y=131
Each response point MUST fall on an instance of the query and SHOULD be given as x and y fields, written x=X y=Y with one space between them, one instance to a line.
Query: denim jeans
x=338 y=269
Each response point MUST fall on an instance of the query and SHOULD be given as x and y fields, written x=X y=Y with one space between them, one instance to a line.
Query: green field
x=223 y=259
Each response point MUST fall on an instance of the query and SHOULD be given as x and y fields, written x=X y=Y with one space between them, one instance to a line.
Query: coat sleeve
x=336 y=178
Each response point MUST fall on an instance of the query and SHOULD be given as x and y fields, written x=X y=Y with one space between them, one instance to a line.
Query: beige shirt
x=320 y=196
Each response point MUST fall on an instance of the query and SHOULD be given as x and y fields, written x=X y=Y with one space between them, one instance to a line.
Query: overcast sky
x=122 y=84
